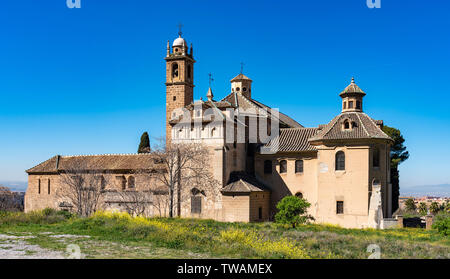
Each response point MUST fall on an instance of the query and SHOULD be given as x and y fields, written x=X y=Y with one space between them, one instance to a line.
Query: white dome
x=179 y=42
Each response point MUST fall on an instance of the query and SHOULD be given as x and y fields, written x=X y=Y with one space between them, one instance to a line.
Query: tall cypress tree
x=144 y=146
x=398 y=155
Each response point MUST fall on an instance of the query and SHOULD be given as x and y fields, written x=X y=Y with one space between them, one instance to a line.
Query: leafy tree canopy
x=144 y=146
x=292 y=211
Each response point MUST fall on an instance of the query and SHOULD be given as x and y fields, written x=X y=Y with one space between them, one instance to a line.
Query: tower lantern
x=352 y=98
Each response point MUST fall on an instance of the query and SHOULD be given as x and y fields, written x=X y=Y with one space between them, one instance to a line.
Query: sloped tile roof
x=293 y=140
x=237 y=99
x=240 y=77
x=365 y=128
x=352 y=88
x=114 y=162
x=241 y=182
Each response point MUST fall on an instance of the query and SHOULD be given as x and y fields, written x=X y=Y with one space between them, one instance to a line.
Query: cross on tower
x=242 y=67
x=210 y=79
x=180 y=27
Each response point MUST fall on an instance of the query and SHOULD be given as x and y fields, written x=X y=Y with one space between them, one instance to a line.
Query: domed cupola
x=352 y=98
x=179 y=46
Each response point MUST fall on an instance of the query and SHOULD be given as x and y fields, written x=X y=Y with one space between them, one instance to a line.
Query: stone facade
x=341 y=168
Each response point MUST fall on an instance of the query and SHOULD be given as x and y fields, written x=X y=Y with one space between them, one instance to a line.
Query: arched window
x=196 y=201
x=131 y=182
x=213 y=132
x=283 y=166
x=346 y=125
x=189 y=72
x=299 y=166
x=376 y=158
x=350 y=104
x=340 y=161
x=267 y=166
x=174 y=70
x=299 y=195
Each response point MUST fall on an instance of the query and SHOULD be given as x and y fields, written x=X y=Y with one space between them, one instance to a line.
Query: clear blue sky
x=91 y=80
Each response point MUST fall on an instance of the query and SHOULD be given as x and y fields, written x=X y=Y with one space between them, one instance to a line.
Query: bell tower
x=179 y=79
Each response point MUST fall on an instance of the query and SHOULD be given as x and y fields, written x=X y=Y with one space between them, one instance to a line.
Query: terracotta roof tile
x=363 y=127
x=113 y=162
x=293 y=140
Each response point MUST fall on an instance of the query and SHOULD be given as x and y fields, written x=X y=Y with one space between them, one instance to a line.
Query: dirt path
x=15 y=247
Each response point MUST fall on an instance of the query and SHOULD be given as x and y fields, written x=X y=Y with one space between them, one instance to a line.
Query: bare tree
x=9 y=201
x=187 y=166
x=82 y=187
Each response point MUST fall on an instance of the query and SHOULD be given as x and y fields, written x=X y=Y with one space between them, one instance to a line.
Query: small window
x=189 y=72
x=299 y=195
x=234 y=159
x=340 y=161
x=174 y=98
x=354 y=124
x=283 y=166
x=339 y=207
x=346 y=125
x=267 y=166
x=345 y=105
x=213 y=132
x=131 y=182
x=358 y=105
x=299 y=166
x=174 y=70
x=196 y=204
x=244 y=89
x=376 y=158
x=48 y=185
x=350 y=104
x=260 y=213
x=238 y=89
x=39 y=186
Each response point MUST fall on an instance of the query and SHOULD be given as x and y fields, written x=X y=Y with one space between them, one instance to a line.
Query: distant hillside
x=15 y=186
x=442 y=190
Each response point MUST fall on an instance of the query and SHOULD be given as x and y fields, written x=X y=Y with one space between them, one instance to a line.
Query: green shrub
x=292 y=211
x=442 y=223
x=45 y=216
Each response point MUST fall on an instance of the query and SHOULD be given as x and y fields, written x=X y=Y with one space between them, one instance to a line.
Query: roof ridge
x=110 y=154
x=363 y=126
x=373 y=121
x=42 y=163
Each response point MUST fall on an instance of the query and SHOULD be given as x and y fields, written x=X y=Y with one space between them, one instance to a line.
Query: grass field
x=117 y=235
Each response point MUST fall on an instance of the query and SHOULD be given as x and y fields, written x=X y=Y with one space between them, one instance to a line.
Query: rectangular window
x=339 y=207
x=350 y=104
x=267 y=167
x=260 y=213
x=283 y=166
x=39 y=186
x=299 y=166
x=196 y=204
x=376 y=158
x=48 y=186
